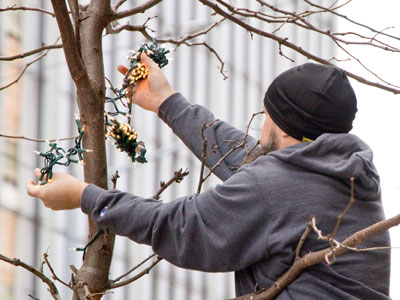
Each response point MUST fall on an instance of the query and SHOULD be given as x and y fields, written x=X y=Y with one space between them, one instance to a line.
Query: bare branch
x=204 y=153
x=55 y=277
x=141 y=274
x=22 y=55
x=335 y=39
x=26 y=67
x=14 y=7
x=307 y=25
x=36 y=140
x=247 y=158
x=139 y=9
x=205 y=44
x=114 y=179
x=116 y=28
x=282 y=54
x=290 y=45
x=364 y=66
x=213 y=51
x=90 y=296
x=18 y=263
x=314 y=258
x=131 y=270
x=117 y=5
x=351 y=202
x=350 y=20
x=73 y=4
x=178 y=177
x=302 y=240
x=71 y=49
x=242 y=144
x=183 y=41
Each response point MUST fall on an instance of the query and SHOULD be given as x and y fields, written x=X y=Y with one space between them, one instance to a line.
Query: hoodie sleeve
x=186 y=120
x=199 y=232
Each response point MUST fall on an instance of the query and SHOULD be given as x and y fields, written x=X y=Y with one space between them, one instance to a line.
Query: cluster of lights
x=138 y=73
x=138 y=70
x=125 y=139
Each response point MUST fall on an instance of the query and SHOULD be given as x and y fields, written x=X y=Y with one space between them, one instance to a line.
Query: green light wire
x=123 y=134
x=57 y=155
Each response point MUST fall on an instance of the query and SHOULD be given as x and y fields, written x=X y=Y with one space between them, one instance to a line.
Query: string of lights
x=124 y=136
x=83 y=249
x=56 y=155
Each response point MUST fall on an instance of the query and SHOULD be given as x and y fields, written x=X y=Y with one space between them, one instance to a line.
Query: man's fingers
x=37 y=172
x=122 y=69
x=148 y=62
x=32 y=189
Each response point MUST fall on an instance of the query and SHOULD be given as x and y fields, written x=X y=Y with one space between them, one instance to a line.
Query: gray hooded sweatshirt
x=252 y=222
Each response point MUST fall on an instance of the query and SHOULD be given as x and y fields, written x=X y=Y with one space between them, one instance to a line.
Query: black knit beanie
x=309 y=100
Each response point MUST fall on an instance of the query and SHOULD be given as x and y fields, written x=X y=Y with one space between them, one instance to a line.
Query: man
x=252 y=222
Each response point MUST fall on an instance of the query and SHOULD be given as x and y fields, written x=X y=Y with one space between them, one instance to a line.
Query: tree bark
x=95 y=268
x=85 y=62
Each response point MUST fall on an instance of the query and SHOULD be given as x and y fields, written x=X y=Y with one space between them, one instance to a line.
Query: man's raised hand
x=149 y=93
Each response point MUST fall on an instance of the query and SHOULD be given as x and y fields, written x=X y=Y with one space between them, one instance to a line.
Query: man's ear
x=282 y=133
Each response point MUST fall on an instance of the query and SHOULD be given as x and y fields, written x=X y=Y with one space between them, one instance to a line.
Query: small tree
x=82 y=27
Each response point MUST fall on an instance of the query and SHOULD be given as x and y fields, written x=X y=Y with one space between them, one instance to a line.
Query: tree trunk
x=95 y=268
x=83 y=52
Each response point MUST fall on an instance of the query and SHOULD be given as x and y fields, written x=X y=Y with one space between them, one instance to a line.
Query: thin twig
x=246 y=157
x=350 y=20
x=308 y=26
x=55 y=277
x=139 y=9
x=178 y=177
x=204 y=153
x=18 y=263
x=237 y=146
x=114 y=179
x=36 y=140
x=364 y=66
x=28 y=53
x=14 y=7
x=351 y=202
x=183 y=41
x=290 y=45
x=282 y=54
x=26 y=67
x=302 y=240
x=115 y=28
x=141 y=274
x=131 y=270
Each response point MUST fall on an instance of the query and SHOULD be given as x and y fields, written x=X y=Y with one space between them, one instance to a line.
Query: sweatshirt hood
x=337 y=155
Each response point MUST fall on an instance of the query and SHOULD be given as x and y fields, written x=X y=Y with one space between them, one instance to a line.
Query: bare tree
x=82 y=28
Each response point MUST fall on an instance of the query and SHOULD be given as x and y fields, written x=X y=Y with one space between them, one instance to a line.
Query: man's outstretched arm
x=196 y=232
